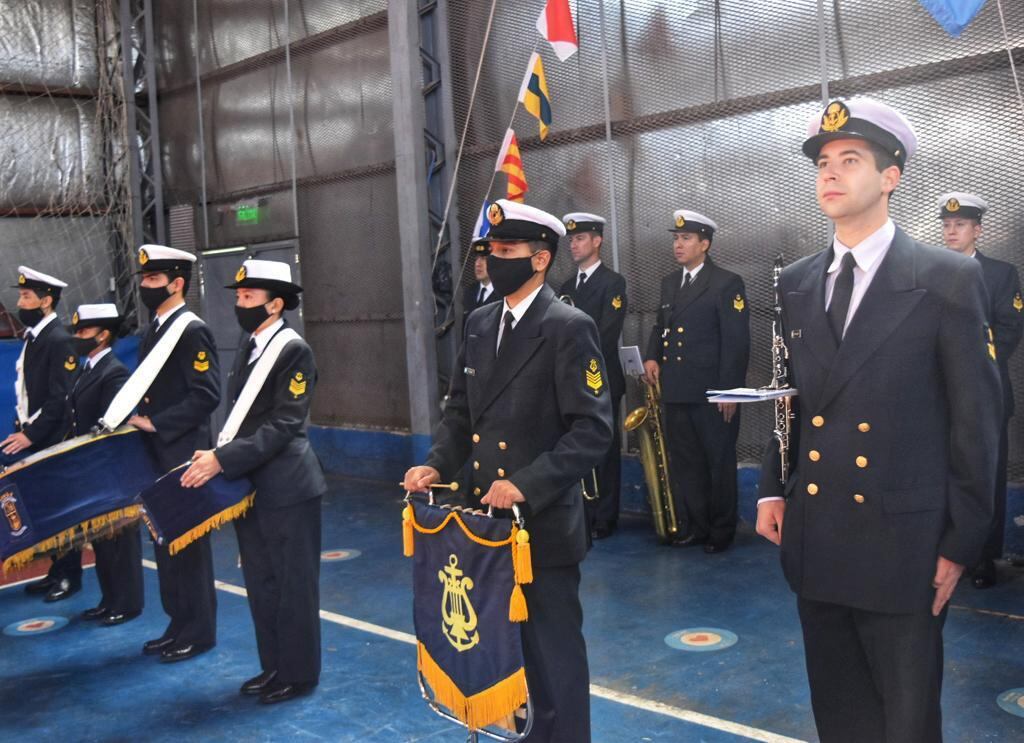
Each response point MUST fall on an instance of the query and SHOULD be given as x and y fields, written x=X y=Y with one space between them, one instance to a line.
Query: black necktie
x=687 y=278
x=506 y=330
x=480 y=295
x=248 y=351
x=582 y=280
x=841 y=293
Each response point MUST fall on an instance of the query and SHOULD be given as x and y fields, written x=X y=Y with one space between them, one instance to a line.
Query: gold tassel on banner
x=517 y=605
x=214 y=522
x=408 y=544
x=99 y=526
x=523 y=558
x=483 y=708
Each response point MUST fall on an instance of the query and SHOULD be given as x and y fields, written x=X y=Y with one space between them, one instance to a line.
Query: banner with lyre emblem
x=467 y=600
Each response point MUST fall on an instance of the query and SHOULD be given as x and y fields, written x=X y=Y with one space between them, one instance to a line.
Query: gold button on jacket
x=812 y=489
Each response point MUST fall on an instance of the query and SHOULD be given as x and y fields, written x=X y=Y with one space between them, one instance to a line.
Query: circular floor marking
x=35 y=626
x=338 y=555
x=701 y=639
x=1012 y=701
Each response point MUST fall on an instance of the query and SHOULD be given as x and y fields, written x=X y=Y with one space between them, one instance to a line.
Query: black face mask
x=508 y=274
x=251 y=318
x=30 y=318
x=153 y=296
x=84 y=346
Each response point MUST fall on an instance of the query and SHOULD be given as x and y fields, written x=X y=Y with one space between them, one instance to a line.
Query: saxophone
x=784 y=414
x=646 y=421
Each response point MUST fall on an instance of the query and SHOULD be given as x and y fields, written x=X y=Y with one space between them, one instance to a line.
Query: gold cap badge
x=952 y=205
x=21 y=278
x=240 y=275
x=495 y=214
x=571 y=224
x=143 y=257
x=74 y=319
x=836 y=116
x=680 y=222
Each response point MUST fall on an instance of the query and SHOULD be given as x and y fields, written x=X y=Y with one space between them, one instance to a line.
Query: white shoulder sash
x=127 y=399
x=255 y=382
x=20 y=391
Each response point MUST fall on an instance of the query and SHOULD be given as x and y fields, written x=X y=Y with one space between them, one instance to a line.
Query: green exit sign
x=247 y=215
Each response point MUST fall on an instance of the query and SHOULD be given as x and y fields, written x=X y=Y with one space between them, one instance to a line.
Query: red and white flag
x=555 y=25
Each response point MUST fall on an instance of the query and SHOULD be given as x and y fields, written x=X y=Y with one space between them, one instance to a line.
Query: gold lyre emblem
x=240 y=276
x=201 y=364
x=1018 y=302
x=458 y=617
x=617 y=302
x=495 y=214
x=297 y=385
x=835 y=117
x=738 y=304
x=680 y=222
x=143 y=257
x=952 y=205
x=10 y=506
x=594 y=379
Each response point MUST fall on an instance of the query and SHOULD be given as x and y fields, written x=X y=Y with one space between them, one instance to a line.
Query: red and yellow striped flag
x=511 y=164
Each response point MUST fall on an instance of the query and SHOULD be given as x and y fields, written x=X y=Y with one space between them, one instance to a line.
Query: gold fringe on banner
x=483 y=708
x=214 y=522
x=98 y=526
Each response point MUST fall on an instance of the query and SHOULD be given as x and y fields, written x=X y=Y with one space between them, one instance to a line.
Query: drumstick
x=438 y=485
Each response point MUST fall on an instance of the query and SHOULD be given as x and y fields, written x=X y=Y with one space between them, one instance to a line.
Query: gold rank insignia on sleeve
x=990 y=341
x=297 y=385
x=71 y=364
x=617 y=302
x=594 y=379
x=738 y=304
x=1018 y=302
x=201 y=364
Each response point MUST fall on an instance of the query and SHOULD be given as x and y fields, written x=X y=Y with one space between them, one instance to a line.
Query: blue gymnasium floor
x=82 y=682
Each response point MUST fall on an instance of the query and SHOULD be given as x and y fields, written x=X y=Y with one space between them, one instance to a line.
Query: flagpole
x=462 y=142
x=512 y=119
x=1009 y=53
x=609 y=146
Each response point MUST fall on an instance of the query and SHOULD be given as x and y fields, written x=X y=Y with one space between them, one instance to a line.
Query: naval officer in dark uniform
x=700 y=341
x=45 y=371
x=529 y=405
x=118 y=557
x=481 y=291
x=279 y=538
x=961 y=215
x=175 y=412
x=601 y=293
x=894 y=443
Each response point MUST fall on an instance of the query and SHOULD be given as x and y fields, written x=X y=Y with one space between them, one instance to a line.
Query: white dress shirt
x=588 y=272
x=36 y=329
x=517 y=313
x=93 y=360
x=868 y=255
x=262 y=338
x=692 y=272
x=163 y=316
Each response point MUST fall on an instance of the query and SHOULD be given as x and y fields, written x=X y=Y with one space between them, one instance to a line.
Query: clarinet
x=784 y=414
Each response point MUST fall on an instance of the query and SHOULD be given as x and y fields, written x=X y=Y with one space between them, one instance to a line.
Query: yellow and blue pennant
x=534 y=96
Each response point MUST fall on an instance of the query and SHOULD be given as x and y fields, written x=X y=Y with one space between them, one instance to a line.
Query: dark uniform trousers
x=603 y=298
x=1006 y=318
x=893 y=457
x=279 y=537
x=533 y=416
x=179 y=403
x=49 y=369
x=701 y=341
x=118 y=557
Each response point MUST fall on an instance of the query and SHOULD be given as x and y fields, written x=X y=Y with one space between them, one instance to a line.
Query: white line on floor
x=630 y=700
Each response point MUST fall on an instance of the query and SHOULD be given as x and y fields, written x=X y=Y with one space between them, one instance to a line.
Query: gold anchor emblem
x=458 y=618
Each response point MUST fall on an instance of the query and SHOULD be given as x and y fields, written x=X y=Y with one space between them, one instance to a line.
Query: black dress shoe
x=984 y=574
x=713 y=548
x=183 y=652
x=258 y=684
x=284 y=692
x=63 y=589
x=690 y=540
x=36 y=587
x=157 y=646
x=97 y=612
x=112 y=620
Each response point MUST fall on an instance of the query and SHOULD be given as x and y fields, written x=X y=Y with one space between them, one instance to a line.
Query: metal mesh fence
x=709 y=102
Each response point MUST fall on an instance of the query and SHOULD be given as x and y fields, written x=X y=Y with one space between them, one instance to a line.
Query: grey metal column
x=414 y=228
